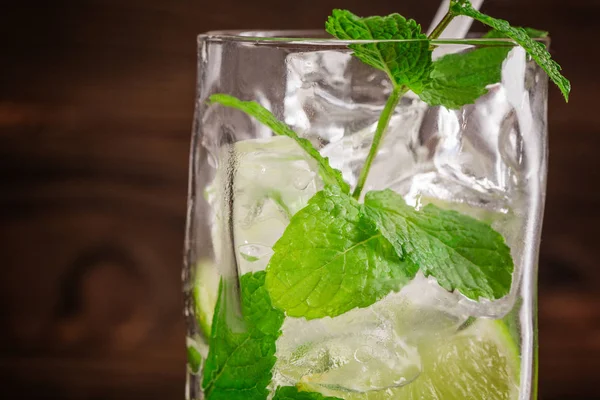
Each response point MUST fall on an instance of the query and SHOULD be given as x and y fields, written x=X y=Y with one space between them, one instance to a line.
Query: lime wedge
x=480 y=362
x=205 y=292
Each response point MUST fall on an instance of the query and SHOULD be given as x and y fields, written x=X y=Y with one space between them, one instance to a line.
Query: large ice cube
x=356 y=352
x=271 y=179
x=425 y=293
x=330 y=94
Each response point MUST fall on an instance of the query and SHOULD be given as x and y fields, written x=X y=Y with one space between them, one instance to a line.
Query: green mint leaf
x=461 y=78
x=240 y=358
x=459 y=251
x=406 y=63
x=292 y=393
x=331 y=259
x=330 y=176
x=535 y=49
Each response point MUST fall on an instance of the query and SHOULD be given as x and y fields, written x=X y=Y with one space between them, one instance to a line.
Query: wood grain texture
x=96 y=101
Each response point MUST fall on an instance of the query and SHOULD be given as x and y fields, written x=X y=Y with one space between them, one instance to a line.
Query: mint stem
x=386 y=114
x=437 y=31
x=382 y=125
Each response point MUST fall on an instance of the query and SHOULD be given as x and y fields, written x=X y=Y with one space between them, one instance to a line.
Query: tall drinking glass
x=393 y=339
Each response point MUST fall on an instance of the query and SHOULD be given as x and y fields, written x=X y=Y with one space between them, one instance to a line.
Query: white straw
x=459 y=26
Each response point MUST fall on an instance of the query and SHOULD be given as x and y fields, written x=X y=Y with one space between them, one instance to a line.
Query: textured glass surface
x=487 y=160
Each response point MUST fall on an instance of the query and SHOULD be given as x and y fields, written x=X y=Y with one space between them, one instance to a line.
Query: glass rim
x=316 y=37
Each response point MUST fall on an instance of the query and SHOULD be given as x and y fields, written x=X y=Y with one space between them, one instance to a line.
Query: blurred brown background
x=96 y=102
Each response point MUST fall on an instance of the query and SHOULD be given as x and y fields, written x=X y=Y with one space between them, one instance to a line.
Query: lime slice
x=480 y=362
x=205 y=293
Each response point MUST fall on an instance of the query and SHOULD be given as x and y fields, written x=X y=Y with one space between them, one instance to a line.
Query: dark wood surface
x=96 y=101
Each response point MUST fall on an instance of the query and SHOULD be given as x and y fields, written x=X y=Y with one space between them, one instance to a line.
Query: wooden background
x=96 y=101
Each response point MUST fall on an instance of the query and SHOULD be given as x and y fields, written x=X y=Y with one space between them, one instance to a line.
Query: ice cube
x=421 y=311
x=466 y=156
x=331 y=95
x=271 y=180
x=355 y=352
x=424 y=292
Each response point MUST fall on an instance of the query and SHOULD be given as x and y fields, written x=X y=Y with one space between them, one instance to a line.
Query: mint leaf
x=291 y=393
x=459 y=251
x=241 y=357
x=331 y=259
x=406 y=63
x=536 y=50
x=461 y=78
x=329 y=175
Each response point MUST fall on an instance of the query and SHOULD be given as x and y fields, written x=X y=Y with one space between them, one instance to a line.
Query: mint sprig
x=406 y=62
x=242 y=352
x=331 y=259
x=535 y=49
x=442 y=84
x=330 y=176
